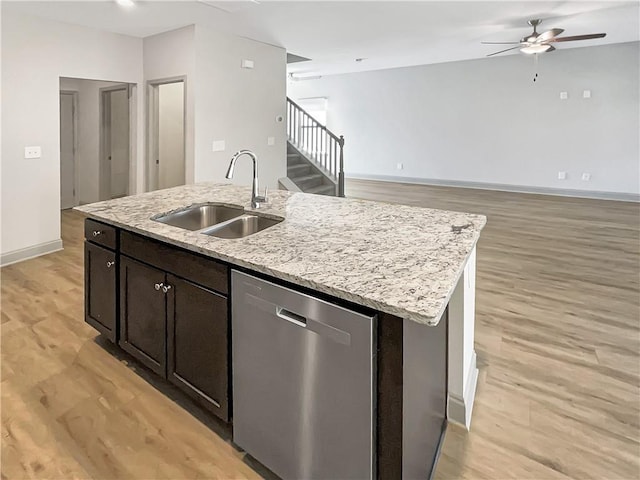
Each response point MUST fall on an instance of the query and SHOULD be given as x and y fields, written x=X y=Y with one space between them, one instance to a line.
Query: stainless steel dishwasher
x=304 y=376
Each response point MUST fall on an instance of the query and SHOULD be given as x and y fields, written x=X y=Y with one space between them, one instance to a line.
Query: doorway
x=167 y=106
x=114 y=141
x=68 y=140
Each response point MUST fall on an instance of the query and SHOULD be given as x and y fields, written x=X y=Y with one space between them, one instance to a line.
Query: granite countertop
x=397 y=259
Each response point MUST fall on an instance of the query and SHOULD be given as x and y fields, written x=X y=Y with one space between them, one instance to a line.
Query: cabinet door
x=198 y=344
x=100 y=289
x=143 y=314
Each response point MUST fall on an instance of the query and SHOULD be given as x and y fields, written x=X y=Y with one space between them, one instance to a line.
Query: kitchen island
x=397 y=265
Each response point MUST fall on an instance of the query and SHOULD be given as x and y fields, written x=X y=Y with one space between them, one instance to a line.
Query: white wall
x=239 y=106
x=168 y=55
x=486 y=121
x=88 y=141
x=35 y=54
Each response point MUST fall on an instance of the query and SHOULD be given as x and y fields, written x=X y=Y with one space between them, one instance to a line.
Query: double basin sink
x=216 y=220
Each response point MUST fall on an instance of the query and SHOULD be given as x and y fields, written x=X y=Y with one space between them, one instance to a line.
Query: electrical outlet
x=564 y=95
x=32 y=152
x=218 y=146
x=271 y=141
x=562 y=175
x=586 y=94
x=399 y=166
x=586 y=176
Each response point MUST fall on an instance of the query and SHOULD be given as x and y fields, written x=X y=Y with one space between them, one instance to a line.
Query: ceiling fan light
x=531 y=49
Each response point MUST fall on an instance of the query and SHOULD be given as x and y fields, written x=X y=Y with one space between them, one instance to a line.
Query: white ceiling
x=333 y=34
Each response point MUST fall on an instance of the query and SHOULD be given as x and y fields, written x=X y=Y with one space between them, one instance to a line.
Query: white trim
x=459 y=409
x=30 y=252
x=563 y=192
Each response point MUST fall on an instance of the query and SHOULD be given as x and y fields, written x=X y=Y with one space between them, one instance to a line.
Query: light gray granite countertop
x=397 y=259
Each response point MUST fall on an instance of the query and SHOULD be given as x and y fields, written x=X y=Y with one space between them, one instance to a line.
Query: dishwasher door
x=304 y=376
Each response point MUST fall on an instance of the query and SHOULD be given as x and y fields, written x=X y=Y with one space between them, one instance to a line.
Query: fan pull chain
x=535 y=66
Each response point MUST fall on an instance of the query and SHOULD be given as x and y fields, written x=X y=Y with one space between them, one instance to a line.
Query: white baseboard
x=30 y=252
x=459 y=410
x=563 y=192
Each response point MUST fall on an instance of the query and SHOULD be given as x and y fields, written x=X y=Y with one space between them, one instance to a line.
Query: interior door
x=119 y=142
x=67 y=151
x=170 y=110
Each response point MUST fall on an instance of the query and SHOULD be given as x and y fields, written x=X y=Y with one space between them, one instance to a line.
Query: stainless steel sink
x=242 y=226
x=197 y=217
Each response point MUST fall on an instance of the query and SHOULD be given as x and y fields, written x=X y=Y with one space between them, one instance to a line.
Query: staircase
x=314 y=155
x=306 y=176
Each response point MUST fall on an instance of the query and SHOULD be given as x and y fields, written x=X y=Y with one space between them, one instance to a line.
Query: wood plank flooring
x=557 y=336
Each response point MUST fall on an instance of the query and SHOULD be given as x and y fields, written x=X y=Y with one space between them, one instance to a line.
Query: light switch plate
x=586 y=94
x=218 y=146
x=32 y=152
x=564 y=95
x=271 y=141
x=586 y=176
x=247 y=64
x=562 y=175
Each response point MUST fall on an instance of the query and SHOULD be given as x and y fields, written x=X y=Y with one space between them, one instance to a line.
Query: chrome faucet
x=256 y=200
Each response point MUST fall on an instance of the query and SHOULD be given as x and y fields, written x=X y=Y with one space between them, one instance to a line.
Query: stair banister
x=319 y=143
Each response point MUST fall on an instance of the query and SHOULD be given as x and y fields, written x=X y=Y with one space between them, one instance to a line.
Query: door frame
x=74 y=117
x=152 y=127
x=104 y=170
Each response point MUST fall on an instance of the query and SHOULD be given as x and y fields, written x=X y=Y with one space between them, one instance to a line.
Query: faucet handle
x=263 y=199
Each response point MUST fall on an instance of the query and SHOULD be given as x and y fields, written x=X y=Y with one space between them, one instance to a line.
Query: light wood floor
x=557 y=336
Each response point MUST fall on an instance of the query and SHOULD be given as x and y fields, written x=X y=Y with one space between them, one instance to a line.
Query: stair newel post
x=341 y=172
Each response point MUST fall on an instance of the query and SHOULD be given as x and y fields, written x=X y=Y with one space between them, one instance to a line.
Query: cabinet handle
x=110 y=264
x=166 y=288
x=158 y=286
x=96 y=233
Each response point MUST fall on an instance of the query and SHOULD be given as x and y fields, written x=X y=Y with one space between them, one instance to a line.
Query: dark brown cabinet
x=143 y=321
x=197 y=343
x=165 y=306
x=100 y=283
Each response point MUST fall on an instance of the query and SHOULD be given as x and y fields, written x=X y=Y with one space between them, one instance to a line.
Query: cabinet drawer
x=100 y=233
x=198 y=269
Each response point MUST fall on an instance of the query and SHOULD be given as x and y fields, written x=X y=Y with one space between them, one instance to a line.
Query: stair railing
x=316 y=142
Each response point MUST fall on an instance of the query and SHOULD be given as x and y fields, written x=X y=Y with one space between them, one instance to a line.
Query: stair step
x=308 y=181
x=322 y=190
x=298 y=170
x=295 y=159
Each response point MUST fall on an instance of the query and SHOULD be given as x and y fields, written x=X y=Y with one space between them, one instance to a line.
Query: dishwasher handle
x=309 y=324
x=292 y=317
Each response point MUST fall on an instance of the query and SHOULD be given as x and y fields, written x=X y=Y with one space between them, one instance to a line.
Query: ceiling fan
x=541 y=42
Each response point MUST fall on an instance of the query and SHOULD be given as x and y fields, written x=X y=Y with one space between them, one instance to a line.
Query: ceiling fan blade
x=501 y=43
x=502 y=51
x=577 y=37
x=551 y=48
x=548 y=35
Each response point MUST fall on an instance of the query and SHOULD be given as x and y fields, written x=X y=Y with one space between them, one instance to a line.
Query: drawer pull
x=158 y=286
x=166 y=288
x=97 y=232
x=110 y=264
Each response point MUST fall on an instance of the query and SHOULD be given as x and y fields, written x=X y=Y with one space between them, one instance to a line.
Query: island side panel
x=389 y=407
x=463 y=373
x=424 y=396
